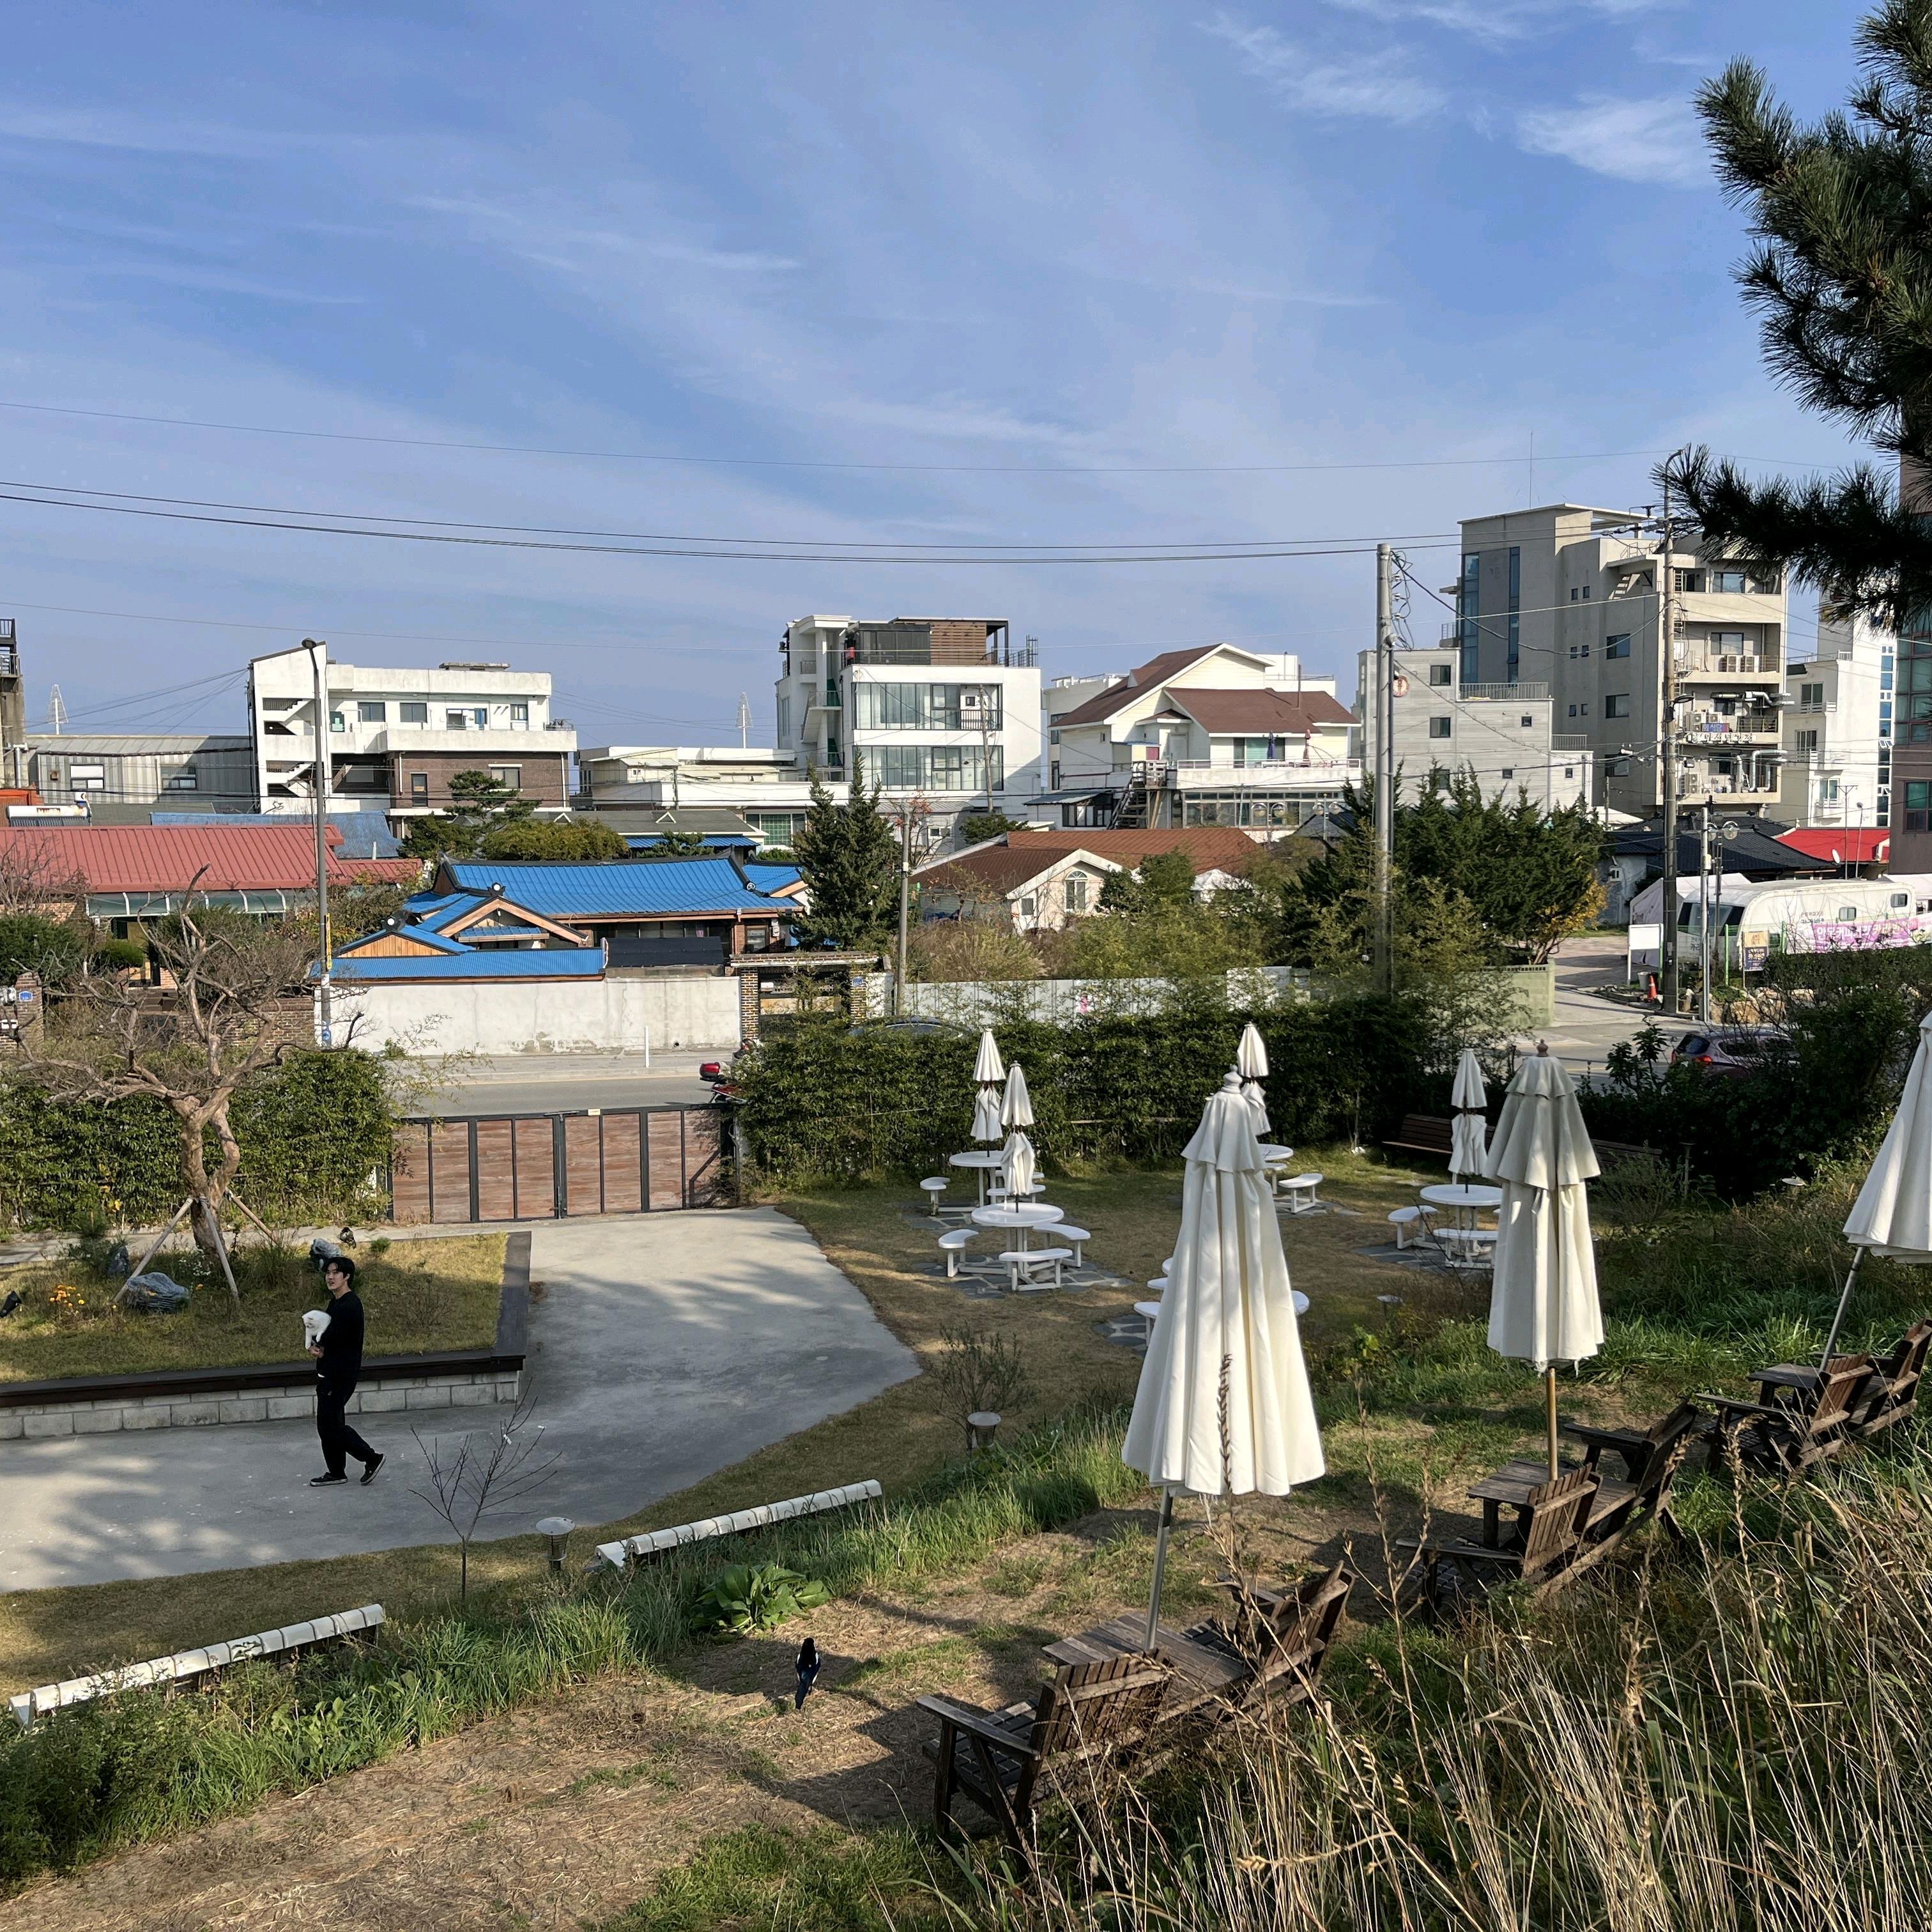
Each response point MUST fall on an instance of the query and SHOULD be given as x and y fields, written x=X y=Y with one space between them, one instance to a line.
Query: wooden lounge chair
x=1089 y=1712
x=1787 y=1437
x=1891 y=1395
x=1554 y=1516
x=1281 y=1635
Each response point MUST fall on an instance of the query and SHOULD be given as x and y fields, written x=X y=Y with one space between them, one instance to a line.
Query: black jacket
x=342 y=1340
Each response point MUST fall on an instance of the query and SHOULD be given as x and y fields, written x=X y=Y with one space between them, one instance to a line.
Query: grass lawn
x=420 y=1295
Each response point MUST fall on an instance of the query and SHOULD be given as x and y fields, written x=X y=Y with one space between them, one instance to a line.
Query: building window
x=1441 y=673
x=1807 y=744
x=1529 y=722
x=1573 y=711
x=1729 y=583
x=1469 y=602
x=1439 y=728
x=1811 y=696
x=185 y=780
x=934 y=767
x=1509 y=772
x=520 y=714
x=1617 y=705
x=1438 y=779
x=1918 y=804
x=1076 y=892
x=1618 y=646
x=512 y=776
x=927 y=707
x=419 y=787
x=1690 y=580
x=413 y=711
x=1515 y=611
x=371 y=711
x=336 y=722
x=1029 y=908
x=456 y=721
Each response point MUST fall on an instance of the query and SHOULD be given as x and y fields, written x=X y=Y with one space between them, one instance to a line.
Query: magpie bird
x=807 y=1671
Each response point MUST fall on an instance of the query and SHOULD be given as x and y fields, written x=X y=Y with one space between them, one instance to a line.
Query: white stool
x=1075 y=1238
x=1468 y=1247
x=953 y=1245
x=1020 y=1263
x=1300 y=1300
x=932 y=1189
x=1411 y=1225
x=1149 y=1310
x=1298 y=1190
x=1158 y=1284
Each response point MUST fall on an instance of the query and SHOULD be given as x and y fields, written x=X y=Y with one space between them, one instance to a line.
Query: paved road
x=665 y=1346
x=1587 y=1026
x=549 y=1083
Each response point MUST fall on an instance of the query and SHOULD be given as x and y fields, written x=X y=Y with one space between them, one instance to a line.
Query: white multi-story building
x=1566 y=596
x=769 y=788
x=943 y=711
x=397 y=737
x=1216 y=735
x=1837 y=728
x=1501 y=735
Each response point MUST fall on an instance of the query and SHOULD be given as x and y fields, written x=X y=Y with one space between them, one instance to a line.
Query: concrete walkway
x=663 y=1347
x=1587 y=1026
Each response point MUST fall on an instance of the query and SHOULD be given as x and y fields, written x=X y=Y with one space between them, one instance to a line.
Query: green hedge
x=312 y=1133
x=825 y=1103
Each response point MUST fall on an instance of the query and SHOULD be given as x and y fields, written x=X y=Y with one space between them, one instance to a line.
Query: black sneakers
x=375 y=1462
x=323 y=1482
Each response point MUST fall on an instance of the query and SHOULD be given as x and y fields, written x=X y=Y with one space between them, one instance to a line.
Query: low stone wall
x=281 y=1391
x=105 y=1414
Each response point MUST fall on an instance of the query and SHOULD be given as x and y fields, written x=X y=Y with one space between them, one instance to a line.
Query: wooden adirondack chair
x=1787 y=1437
x=1554 y=1515
x=1891 y=1395
x=1281 y=1635
x=997 y=1758
x=1636 y=1448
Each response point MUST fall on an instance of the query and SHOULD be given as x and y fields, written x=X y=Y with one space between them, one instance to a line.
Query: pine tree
x=478 y=805
x=849 y=857
x=1842 y=280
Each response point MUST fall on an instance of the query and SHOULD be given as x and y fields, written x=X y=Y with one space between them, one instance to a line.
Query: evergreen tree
x=479 y=804
x=1841 y=278
x=849 y=856
x=528 y=838
x=1162 y=881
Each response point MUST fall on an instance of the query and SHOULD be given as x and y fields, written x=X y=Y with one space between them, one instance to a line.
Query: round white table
x=1463 y=1200
x=986 y=1161
x=1274 y=1156
x=1022 y=1218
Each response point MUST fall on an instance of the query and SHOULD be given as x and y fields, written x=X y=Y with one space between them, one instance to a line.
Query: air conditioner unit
x=972 y=699
x=1727 y=663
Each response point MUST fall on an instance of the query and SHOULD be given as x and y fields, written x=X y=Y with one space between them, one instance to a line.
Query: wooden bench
x=1089 y=1712
x=186 y=1665
x=656 y=1542
x=1423 y=1133
x=1019 y=1264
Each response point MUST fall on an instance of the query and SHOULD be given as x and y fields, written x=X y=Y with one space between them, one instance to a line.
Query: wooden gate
x=538 y=1167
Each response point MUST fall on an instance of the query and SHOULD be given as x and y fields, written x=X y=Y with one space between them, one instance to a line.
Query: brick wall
x=543 y=772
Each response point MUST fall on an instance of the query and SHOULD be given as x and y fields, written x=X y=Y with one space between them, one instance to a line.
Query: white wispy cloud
x=1654 y=143
x=1495 y=21
x=1374 y=87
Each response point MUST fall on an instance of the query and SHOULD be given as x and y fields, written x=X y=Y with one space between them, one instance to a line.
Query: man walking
x=338 y=1362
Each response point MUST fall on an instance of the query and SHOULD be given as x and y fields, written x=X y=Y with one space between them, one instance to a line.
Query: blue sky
x=1015 y=251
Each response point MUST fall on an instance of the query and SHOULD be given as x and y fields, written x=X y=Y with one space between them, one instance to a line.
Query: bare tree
x=974 y=1369
x=483 y=1474
x=32 y=879
x=234 y=1002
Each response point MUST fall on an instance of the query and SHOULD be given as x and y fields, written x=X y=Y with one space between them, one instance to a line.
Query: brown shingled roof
x=1139 y=681
x=1289 y=714
x=994 y=872
x=1212 y=847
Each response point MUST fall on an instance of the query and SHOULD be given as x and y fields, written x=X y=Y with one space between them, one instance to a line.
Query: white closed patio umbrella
x=1543 y=1308
x=988 y=1127
x=988 y=1069
x=1016 y=1110
x=1467 y=1131
x=1892 y=1215
x=1227 y=1315
x=1251 y=1063
x=1017 y=1169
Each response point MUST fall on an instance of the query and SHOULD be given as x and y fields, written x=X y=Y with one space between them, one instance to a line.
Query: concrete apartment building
x=1566 y=596
x=13 y=710
x=397 y=737
x=769 y=788
x=1215 y=735
x=1838 y=728
x=122 y=775
x=942 y=710
x=1501 y=735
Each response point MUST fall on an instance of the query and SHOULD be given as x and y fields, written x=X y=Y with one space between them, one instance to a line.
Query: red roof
x=1847 y=844
x=167 y=858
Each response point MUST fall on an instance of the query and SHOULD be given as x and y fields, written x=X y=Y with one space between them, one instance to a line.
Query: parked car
x=1731 y=1049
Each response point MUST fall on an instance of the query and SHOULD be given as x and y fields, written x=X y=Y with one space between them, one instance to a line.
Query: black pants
x=338 y=1439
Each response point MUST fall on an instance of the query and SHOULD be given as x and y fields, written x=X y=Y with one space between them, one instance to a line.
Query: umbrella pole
x=1159 y=1564
x=1844 y=1302
x=1549 y=1412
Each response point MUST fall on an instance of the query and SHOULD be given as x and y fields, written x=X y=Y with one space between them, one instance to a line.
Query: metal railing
x=1485 y=694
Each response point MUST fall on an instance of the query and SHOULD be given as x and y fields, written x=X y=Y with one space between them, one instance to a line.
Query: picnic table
x=1463 y=1199
x=985 y=1161
x=1511 y=1485
x=1024 y=1216
x=1202 y=1673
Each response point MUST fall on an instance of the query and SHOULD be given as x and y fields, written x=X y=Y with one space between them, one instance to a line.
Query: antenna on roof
x=744 y=722
x=56 y=710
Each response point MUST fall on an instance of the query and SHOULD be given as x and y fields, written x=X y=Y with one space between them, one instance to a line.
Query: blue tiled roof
x=772 y=878
x=617 y=888
x=365 y=834
x=719 y=841
x=572 y=962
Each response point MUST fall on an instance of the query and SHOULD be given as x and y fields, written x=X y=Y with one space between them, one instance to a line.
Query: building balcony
x=1277 y=775
x=403 y=740
x=1521 y=693
x=1723 y=668
x=1705 y=729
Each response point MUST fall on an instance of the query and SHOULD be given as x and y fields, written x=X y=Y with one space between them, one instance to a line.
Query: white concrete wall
x=617 y=1015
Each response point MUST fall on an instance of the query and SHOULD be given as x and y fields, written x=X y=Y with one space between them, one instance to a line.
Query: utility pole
x=318 y=657
x=1666 y=646
x=1706 y=899
x=1383 y=759
x=744 y=721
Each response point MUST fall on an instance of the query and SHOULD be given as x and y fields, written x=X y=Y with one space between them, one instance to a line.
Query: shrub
x=746 y=1596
